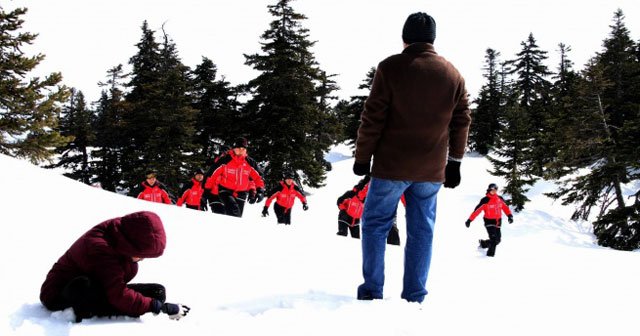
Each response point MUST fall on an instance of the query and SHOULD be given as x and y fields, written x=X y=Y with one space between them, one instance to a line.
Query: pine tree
x=29 y=107
x=109 y=128
x=512 y=154
x=563 y=113
x=76 y=123
x=486 y=123
x=285 y=108
x=170 y=148
x=534 y=97
x=159 y=124
x=604 y=153
x=349 y=111
x=218 y=118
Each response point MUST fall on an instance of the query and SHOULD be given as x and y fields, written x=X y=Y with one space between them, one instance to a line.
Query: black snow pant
x=347 y=224
x=393 y=238
x=194 y=207
x=493 y=230
x=282 y=214
x=213 y=203
x=233 y=205
x=89 y=299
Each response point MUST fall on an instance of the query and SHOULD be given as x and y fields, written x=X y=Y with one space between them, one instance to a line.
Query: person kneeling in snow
x=492 y=205
x=285 y=195
x=92 y=275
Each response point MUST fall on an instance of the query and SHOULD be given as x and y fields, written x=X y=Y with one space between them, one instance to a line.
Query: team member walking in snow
x=416 y=115
x=492 y=205
x=285 y=195
x=231 y=179
x=192 y=194
x=351 y=205
x=93 y=275
x=153 y=190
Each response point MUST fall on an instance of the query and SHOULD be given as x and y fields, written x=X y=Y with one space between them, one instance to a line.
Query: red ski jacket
x=234 y=173
x=492 y=205
x=104 y=254
x=193 y=195
x=154 y=193
x=354 y=206
x=286 y=195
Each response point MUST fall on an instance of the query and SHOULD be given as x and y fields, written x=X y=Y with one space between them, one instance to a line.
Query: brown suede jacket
x=416 y=115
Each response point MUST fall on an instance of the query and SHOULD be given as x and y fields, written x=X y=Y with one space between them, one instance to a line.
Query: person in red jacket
x=493 y=205
x=285 y=195
x=93 y=275
x=192 y=195
x=230 y=180
x=351 y=205
x=153 y=190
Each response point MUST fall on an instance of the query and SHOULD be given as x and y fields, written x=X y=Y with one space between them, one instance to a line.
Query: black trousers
x=233 y=205
x=495 y=235
x=215 y=204
x=195 y=207
x=347 y=224
x=282 y=214
x=89 y=299
x=393 y=238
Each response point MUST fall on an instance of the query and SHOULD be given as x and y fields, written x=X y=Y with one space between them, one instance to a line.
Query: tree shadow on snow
x=311 y=299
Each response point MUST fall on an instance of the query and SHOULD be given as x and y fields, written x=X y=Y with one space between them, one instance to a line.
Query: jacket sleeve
x=373 y=118
x=270 y=199
x=255 y=176
x=345 y=196
x=182 y=198
x=479 y=208
x=459 y=124
x=110 y=273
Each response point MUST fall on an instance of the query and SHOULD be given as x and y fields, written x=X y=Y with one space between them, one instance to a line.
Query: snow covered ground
x=249 y=276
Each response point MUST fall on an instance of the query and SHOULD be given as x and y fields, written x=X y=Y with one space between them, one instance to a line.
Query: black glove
x=252 y=197
x=259 y=195
x=510 y=219
x=305 y=207
x=175 y=311
x=361 y=169
x=452 y=174
x=265 y=212
x=467 y=223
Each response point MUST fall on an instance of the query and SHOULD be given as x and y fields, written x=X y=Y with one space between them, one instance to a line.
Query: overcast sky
x=83 y=39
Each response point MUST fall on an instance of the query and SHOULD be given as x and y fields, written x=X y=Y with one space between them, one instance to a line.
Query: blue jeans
x=379 y=211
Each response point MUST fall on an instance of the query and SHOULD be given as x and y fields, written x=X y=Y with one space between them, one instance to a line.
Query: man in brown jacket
x=414 y=125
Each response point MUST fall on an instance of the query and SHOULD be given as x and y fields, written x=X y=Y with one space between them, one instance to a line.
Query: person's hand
x=452 y=174
x=510 y=219
x=175 y=311
x=252 y=197
x=259 y=195
x=305 y=207
x=467 y=223
x=265 y=212
x=361 y=169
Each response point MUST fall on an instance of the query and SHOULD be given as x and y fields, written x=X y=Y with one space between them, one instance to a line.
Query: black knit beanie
x=419 y=27
x=240 y=143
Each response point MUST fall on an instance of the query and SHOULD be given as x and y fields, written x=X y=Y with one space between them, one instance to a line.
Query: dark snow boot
x=483 y=243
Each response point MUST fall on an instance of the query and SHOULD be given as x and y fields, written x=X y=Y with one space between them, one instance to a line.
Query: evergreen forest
x=579 y=127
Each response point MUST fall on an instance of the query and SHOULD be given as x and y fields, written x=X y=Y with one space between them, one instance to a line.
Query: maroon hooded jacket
x=104 y=255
